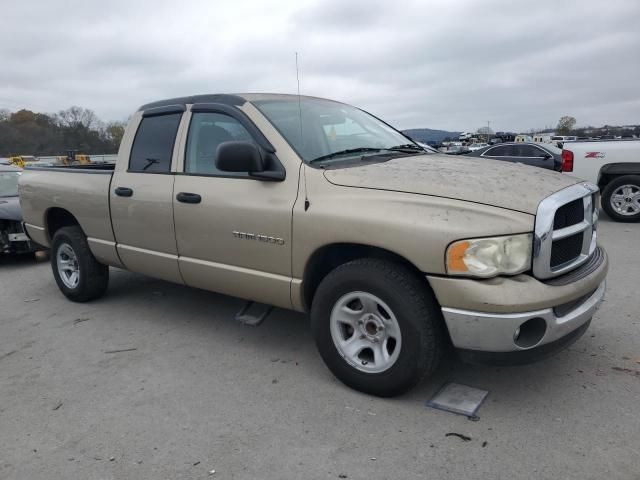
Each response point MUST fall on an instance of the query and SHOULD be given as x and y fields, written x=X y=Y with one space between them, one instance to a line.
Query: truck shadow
x=209 y=313
x=286 y=336
x=23 y=260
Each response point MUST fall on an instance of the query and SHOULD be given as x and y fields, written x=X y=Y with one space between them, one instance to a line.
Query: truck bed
x=82 y=190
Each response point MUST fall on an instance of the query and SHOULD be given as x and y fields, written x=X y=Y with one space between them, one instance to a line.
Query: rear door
x=142 y=196
x=233 y=232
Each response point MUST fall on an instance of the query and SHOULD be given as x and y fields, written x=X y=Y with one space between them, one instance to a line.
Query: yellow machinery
x=22 y=160
x=74 y=159
x=71 y=158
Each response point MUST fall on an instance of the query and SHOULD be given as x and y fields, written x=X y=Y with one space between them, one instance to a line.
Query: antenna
x=307 y=204
x=299 y=102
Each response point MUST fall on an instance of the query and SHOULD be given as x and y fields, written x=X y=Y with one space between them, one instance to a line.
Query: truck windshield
x=9 y=184
x=326 y=130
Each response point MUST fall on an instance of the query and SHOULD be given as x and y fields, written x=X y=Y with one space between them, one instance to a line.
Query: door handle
x=123 y=192
x=186 y=197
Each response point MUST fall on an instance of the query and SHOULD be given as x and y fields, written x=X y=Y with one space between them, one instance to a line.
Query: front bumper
x=521 y=357
x=18 y=237
x=500 y=333
x=520 y=293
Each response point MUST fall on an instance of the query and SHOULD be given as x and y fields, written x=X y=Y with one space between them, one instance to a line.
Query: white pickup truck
x=614 y=166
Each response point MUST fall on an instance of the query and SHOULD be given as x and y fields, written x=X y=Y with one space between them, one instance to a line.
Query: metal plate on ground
x=457 y=398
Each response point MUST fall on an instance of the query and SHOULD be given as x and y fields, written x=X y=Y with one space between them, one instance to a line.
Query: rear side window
x=501 y=151
x=153 y=145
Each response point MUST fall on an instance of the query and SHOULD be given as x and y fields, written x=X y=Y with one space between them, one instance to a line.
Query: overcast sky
x=438 y=63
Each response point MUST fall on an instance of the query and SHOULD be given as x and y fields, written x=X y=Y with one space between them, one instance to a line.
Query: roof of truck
x=234 y=99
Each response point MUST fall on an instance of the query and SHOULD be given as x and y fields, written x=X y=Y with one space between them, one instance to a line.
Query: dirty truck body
x=316 y=206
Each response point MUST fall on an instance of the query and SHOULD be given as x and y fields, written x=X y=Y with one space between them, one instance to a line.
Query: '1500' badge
x=258 y=237
x=594 y=155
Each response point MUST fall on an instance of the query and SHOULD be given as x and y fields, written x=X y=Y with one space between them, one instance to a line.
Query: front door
x=533 y=155
x=142 y=200
x=233 y=232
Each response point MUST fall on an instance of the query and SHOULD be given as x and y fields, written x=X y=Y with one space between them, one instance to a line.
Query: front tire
x=621 y=198
x=377 y=326
x=79 y=275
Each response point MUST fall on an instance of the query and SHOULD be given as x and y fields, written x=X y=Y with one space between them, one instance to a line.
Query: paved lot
x=201 y=392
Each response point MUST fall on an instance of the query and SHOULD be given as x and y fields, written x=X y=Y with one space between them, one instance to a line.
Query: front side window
x=153 y=146
x=527 y=151
x=206 y=132
x=316 y=128
x=9 y=184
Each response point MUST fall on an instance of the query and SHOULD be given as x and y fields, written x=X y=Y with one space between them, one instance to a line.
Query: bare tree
x=484 y=131
x=75 y=117
x=565 y=125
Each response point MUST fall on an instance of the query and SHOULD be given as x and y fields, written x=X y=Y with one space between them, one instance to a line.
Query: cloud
x=439 y=64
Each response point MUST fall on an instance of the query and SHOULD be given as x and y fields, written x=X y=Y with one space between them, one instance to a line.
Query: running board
x=253 y=314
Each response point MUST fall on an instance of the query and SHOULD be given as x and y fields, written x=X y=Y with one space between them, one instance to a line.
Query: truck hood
x=491 y=182
x=10 y=209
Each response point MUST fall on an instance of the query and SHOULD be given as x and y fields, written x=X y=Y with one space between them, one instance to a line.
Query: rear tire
x=79 y=275
x=377 y=326
x=616 y=196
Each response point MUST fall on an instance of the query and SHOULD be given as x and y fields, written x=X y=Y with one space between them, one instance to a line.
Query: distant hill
x=428 y=135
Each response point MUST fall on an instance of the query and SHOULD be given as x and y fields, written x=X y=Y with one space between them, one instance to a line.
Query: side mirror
x=239 y=157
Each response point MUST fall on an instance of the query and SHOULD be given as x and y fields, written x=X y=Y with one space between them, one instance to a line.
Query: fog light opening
x=530 y=332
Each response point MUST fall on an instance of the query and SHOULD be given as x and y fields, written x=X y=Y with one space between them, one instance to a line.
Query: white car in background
x=476 y=146
x=558 y=140
x=615 y=167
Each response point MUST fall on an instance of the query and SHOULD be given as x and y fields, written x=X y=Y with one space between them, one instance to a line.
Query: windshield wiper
x=346 y=152
x=150 y=161
x=408 y=146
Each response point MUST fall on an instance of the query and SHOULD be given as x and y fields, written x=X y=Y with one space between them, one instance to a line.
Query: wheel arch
x=57 y=218
x=611 y=171
x=328 y=257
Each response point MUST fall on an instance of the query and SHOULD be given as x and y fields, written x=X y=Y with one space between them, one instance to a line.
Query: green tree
x=29 y=133
x=114 y=132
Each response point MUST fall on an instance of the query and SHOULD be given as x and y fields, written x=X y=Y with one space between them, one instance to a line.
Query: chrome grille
x=566 y=250
x=565 y=232
x=569 y=214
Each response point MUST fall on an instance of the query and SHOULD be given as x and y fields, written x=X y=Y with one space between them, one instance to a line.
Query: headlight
x=488 y=257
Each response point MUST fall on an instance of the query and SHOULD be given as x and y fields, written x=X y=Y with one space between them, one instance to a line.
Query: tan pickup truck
x=317 y=206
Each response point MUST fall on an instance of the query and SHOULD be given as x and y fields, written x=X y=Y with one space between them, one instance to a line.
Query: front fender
x=416 y=227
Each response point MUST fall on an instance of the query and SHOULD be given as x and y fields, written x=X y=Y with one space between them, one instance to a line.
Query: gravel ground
x=193 y=391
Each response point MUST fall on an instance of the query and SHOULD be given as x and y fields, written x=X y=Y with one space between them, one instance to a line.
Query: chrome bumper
x=489 y=332
x=18 y=237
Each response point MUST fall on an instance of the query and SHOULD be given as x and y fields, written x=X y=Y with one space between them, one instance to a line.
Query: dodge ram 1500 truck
x=317 y=206
x=615 y=167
